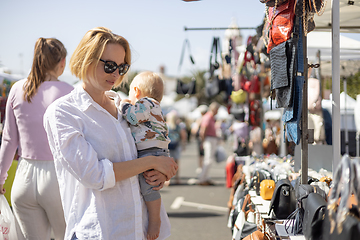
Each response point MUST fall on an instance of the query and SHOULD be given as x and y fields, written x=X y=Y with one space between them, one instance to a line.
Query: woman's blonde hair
x=88 y=52
x=48 y=53
x=171 y=119
x=150 y=84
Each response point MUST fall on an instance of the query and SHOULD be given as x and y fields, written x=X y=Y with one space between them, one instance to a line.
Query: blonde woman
x=94 y=152
x=35 y=192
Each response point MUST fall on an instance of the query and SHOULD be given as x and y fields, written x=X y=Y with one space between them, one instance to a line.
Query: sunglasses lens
x=110 y=67
x=123 y=68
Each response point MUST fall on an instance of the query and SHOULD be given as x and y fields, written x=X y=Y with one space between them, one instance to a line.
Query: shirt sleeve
x=137 y=113
x=73 y=153
x=10 y=140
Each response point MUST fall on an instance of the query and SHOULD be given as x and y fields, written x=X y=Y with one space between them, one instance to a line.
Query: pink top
x=23 y=125
x=208 y=121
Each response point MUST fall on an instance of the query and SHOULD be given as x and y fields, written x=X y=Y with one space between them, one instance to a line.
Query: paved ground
x=198 y=212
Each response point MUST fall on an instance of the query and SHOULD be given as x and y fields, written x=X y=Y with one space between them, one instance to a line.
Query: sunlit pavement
x=197 y=212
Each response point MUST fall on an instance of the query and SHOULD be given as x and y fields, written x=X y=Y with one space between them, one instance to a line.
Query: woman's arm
x=165 y=165
x=78 y=156
x=10 y=139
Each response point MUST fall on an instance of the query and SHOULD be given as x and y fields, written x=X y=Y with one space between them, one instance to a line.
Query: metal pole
x=357 y=143
x=318 y=55
x=335 y=64
x=345 y=118
x=304 y=119
x=217 y=28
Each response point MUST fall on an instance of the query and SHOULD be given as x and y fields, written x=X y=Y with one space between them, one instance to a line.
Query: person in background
x=143 y=112
x=35 y=192
x=195 y=131
x=94 y=152
x=240 y=130
x=255 y=142
x=210 y=142
x=178 y=137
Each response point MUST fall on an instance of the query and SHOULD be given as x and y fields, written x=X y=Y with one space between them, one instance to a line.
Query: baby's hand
x=125 y=101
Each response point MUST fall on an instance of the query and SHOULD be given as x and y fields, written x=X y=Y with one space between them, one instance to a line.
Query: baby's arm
x=137 y=113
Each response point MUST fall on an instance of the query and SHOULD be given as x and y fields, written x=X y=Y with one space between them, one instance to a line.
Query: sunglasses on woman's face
x=111 y=66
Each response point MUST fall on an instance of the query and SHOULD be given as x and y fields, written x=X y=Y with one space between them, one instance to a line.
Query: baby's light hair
x=150 y=84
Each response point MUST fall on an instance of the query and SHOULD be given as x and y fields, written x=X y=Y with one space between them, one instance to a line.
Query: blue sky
x=154 y=28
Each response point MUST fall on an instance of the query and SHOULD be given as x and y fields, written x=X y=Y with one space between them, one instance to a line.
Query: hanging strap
x=215 y=49
x=185 y=44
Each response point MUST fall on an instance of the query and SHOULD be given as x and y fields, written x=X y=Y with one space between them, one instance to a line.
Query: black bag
x=314 y=217
x=212 y=87
x=242 y=149
x=186 y=88
x=283 y=201
x=257 y=177
x=212 y=84
x=302 y=192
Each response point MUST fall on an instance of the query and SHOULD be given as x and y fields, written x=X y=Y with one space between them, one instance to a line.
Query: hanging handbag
x=280 y=23
x=186 y=88
x=282 y=75
x=239 y=96
x=212 y=85
x=292 y=114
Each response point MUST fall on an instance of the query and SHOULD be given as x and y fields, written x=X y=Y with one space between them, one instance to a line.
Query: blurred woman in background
x=35 y=192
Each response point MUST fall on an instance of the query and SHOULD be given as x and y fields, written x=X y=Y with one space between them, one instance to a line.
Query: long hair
x=87 y=54
x=48 y=53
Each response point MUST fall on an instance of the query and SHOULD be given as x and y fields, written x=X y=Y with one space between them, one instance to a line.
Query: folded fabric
x=282 y=75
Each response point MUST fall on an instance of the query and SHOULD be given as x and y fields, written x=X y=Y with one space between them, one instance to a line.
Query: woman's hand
x=2 y=189
x=166 y=165
x=155 y=178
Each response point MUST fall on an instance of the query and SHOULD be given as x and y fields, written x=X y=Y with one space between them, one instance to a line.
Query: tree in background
x=352 y=82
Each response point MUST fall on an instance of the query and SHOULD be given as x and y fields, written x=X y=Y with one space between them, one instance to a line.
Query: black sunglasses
x=111 y=66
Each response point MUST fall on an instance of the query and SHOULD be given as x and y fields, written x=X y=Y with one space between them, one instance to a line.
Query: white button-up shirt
x=85 y=140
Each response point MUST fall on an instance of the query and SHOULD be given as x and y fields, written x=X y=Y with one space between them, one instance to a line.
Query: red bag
x=255 y=112
x=281 y=25
x=253 y=86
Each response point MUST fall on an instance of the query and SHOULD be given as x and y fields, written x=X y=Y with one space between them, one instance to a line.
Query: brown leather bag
x=259 y=234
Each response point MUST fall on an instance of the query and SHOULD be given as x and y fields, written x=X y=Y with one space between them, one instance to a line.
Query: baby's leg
x=153 y=208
